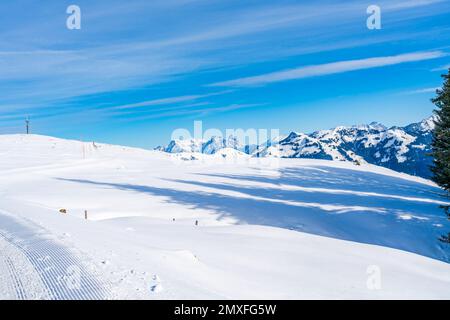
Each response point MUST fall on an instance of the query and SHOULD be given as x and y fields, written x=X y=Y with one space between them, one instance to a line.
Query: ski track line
x=35 y=266
x=18 y=285
x=13 y=263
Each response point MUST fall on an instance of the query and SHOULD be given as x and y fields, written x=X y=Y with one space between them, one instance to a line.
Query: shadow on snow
x=339 y=211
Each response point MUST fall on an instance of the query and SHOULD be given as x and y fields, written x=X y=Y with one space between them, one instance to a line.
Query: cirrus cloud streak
x=329 y=68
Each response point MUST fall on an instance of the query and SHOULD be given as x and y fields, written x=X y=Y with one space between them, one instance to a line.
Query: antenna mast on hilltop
x=27 y=124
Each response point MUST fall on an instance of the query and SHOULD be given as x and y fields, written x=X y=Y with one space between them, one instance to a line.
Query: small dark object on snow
x=196 y=222
x=62 y=210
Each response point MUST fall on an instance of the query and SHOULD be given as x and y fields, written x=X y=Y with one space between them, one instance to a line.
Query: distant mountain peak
x=425 y=126
x=428 y=123
x=377 y=126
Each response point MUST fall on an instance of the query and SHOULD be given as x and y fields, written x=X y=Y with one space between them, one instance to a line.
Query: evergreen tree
x=446 y=238
x=441 y=142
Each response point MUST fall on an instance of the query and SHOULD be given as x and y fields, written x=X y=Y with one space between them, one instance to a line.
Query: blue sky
x=137 y=70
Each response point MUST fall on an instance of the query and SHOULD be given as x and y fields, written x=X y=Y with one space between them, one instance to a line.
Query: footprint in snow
x=105 y=262
x=155 y=284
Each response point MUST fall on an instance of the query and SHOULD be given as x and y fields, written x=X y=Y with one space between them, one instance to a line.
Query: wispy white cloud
x=169 y=100
x=423 y=90
x=411 y=4
x=442 y=68
x=189 y=111
x=162 y=108
x=329 y=68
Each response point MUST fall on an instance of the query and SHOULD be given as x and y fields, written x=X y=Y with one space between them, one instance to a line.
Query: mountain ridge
x=404 y=149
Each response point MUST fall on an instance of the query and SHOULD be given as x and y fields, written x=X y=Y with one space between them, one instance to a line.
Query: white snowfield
x=164 y=226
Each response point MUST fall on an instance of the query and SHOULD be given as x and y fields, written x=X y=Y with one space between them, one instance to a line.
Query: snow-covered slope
x=297 y=228
x=402 y=149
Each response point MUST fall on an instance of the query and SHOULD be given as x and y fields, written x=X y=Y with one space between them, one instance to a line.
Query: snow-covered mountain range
x=404 y=149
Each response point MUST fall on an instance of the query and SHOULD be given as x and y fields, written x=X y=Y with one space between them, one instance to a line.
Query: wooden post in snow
x=85 y=215
x=27 y=125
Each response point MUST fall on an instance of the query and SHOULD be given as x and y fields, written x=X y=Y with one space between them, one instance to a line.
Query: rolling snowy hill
x=267 y=227
x=402 y=149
